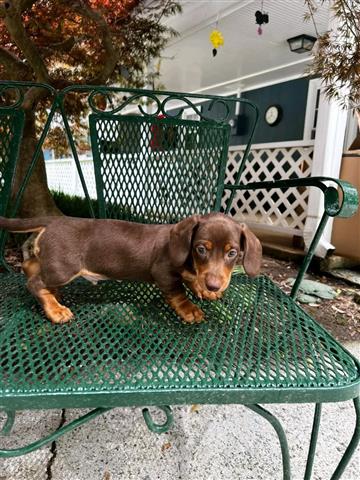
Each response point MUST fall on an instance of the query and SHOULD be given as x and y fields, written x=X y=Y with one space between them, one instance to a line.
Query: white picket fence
x=275 y=210
x=62 y=176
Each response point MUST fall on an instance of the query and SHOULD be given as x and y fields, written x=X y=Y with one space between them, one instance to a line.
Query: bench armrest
x=335 y=204
x=344 y=205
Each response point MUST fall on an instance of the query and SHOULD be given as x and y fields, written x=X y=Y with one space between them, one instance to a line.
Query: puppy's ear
x=251 y=246
x=180 y=240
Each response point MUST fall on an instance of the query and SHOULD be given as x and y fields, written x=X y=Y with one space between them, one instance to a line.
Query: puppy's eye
x=201 y=250
x=232 y=253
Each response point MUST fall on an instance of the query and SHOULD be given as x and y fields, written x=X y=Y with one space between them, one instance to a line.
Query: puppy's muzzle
x=212 y=283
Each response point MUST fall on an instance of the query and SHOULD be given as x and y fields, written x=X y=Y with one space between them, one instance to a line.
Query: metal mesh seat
x=127 y=347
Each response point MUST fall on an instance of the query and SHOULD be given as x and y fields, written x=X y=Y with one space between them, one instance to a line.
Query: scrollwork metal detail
x=11 y=96
x=13 y=93
x=114 y=100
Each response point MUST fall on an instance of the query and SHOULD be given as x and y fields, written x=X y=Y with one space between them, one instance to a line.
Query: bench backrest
x=11 y=128
x=157 y=170
x=150 y=163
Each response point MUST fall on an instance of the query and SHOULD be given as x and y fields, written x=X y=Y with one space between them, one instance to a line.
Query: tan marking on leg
x=186 y=310
x=55 y=312
x=31 y=267
x=36 y=242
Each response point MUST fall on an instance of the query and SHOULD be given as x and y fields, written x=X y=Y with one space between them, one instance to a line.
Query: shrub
x=73 y=206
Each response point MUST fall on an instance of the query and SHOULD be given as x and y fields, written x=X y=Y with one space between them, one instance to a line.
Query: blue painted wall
x=292 y=97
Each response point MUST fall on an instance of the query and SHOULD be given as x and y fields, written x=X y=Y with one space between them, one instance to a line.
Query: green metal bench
x=126 y=347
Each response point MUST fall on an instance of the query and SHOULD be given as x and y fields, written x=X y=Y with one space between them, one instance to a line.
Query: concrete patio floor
x=208 y=443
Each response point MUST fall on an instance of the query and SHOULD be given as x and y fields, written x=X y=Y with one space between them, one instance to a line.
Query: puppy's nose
x=213 y=285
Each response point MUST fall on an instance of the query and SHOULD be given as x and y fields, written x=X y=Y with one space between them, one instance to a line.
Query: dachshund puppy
x=200 y=251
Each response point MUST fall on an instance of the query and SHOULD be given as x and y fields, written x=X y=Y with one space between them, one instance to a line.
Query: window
x=312 y=109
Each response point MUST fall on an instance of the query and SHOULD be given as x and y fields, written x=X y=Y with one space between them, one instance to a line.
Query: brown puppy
x=200 y=250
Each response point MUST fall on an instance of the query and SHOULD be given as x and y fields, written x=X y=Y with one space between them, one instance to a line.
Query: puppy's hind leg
x=31 y=267
x=54 y=311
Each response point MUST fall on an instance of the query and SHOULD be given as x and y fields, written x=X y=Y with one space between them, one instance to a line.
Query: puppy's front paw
x=191 y=313
x=187 y=311
x=59 y=314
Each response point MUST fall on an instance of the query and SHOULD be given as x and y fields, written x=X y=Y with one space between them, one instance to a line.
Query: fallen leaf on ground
x=166 y=446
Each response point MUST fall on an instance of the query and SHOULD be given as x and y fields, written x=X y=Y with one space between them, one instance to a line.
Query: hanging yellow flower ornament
x=217 y=40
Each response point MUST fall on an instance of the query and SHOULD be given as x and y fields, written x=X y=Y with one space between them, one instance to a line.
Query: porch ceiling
x=245 y=53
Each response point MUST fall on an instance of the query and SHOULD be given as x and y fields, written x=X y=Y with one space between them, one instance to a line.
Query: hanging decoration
x=216 y=38
x=260 y=18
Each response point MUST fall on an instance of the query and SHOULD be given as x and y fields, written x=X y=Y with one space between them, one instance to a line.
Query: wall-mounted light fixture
x=301 y=43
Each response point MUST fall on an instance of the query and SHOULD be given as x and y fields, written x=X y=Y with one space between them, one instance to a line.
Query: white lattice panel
x=285 y=210
x=63 y=176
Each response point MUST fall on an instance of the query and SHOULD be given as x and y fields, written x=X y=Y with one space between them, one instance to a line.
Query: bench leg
x=281 y=435
x=352 y=445
x=313 y=442
x=10 y=418
x=154 y=427
x=53 y=436
x=348 y=452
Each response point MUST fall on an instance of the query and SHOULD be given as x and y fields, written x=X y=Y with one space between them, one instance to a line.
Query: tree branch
x=14 y=66
x=19 y=36
x=111 y=58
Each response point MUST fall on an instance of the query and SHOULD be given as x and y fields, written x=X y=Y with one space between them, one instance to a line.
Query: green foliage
x=73 y=206
x=94 y=42
x=336 y=54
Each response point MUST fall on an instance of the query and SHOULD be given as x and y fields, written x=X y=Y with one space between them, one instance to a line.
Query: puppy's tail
x=24 y=224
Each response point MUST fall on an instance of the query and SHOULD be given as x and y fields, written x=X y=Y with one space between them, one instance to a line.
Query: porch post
x=328 y=149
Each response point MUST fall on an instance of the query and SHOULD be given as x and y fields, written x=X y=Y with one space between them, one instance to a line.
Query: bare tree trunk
x=37 y=200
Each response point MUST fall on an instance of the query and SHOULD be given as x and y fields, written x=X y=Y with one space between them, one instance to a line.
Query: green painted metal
x=13 y=94
x=306 y=262
x=168 y=104
x=342 y=202
x=281 y=436
x=159 y=428
x=343 y=205
x=33 y=162
x=313 y=441
x=194 y=145
x=352 y=445
x=76 y=157
x=157 y=182
x=10 y=419
x=127 y=347
x=16 y=452
x=11 y=128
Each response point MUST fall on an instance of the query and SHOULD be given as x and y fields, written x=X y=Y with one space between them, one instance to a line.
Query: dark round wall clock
x=273 y=115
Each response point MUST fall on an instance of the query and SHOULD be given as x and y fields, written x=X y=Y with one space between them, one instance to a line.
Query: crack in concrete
x=53 y=448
